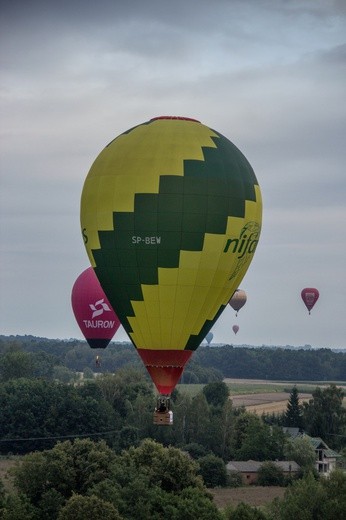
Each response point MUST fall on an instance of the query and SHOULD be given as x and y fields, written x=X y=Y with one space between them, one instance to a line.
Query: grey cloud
x=267 y=74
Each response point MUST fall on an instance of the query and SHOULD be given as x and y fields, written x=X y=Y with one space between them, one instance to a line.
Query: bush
x=213 y=471
x=234 y=479
x=269 y=474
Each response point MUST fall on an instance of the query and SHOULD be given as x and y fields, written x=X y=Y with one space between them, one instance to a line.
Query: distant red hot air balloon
x=238 y=300
x=310 y=296
x=235 y=328
x=93 y=312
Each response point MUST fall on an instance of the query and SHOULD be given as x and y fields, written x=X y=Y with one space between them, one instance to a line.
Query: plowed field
x=269 y=402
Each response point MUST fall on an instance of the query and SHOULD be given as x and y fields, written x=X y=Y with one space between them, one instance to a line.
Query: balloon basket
x=164 y=418
x=162 y=414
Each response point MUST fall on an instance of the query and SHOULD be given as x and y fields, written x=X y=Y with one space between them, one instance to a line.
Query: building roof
x=244 y=466
x=252 y=466
x=331 y=454
x=316 y=442
x=319 y=444
x=292 y=432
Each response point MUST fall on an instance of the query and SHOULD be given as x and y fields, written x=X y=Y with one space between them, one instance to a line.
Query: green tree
x=16 y=364
x=43 y=364
x=242 y=422
x=294 y=415
x=38 y=408
x=304 y=499
x=195 y=450
x=197 y=420
x=243 y=512
x=169 y=468
x=335 y=488
x=17 y=507
x=324 y=415
x=50 y=503
x=213 y=471
x=216 y=393
x=80 y=507
x=159 y=478
x=191 y=504
x=256 y=440
x=123 y=388
x=302 y=452
x=109 y=490
x=128 y=436
x=68 y=467
x=226 y=431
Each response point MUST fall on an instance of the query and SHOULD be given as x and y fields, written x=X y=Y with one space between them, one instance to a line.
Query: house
x=326 y=459
x=249 y=469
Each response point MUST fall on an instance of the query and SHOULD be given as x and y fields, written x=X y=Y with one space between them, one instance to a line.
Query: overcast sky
x=268 y=74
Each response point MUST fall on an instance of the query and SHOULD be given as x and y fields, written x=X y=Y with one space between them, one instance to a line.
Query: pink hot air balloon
x=235 y=328
x=93 y=312
x=310 y=296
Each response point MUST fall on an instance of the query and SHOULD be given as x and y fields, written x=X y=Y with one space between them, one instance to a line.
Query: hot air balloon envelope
x=171 y=217
x=209 y=337
x=235 y=328
x=93 y=312
x=310 y=296
x=238 y=300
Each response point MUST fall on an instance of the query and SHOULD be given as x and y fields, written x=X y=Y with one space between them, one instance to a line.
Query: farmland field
x=254 y=496
x=262 y=396
x=269 y=402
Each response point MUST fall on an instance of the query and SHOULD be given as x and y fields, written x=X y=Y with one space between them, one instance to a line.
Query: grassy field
x=258 y=386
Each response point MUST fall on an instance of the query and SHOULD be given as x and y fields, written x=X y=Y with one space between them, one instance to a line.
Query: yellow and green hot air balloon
x=171 y=217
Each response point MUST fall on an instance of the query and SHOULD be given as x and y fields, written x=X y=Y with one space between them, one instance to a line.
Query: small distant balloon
x=238 y=300
x=209 y=337
x=310 y=296
x=93 y=312
x=235 y=328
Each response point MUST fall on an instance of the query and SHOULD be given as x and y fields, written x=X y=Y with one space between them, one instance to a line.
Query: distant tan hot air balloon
x=238 y=300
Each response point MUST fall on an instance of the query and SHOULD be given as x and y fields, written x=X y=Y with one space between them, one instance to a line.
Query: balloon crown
x=175 y=117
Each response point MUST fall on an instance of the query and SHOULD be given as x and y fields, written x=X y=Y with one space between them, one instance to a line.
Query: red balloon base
x=165 y=367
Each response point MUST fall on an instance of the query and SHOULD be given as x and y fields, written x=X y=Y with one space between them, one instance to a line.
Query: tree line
x=35 y=413
x=207 y=365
